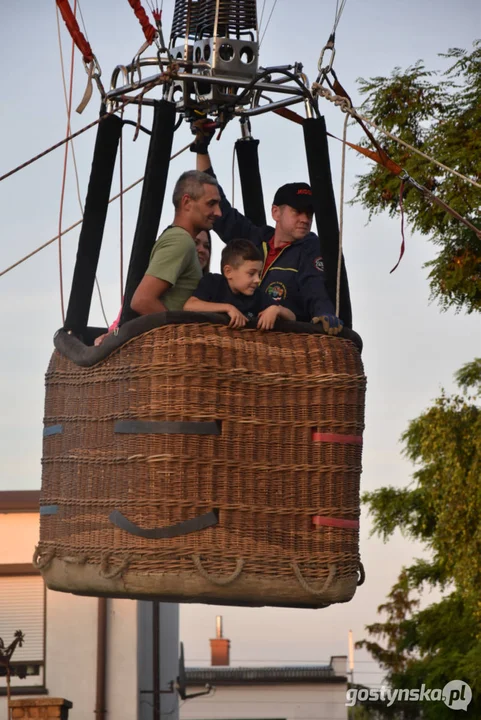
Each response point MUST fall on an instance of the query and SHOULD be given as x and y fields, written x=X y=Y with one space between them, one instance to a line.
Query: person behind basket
x=236 y=292
x=203 y=246
x=293 y=269
x=174 y=271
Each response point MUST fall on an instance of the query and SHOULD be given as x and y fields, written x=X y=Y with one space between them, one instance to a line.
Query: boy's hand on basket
x=237 y=319
x=331 y=324
x=268 y=317
x=99 y=340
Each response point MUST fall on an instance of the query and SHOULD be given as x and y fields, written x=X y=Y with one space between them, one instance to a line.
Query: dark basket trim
x=52 y=430
x=147 y=427
x=48 y=509
x=83 y=353
x=184 y=528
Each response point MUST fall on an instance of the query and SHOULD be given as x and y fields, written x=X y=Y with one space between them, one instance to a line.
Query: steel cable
x=79 y=222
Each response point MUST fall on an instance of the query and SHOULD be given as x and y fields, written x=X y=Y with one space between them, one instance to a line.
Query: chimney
x=339 y=664
x=220 y=647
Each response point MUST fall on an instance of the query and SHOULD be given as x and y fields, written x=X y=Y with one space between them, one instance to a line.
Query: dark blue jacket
x=296 y=278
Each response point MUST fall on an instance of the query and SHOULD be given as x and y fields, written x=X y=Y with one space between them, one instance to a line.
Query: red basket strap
x=321 y=521
x=336 y=438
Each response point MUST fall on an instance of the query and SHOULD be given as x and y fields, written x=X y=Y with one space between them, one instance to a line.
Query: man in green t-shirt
x=174 y=271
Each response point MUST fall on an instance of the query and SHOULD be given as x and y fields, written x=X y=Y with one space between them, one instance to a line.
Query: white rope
x=418 y=152
x=341 y=215
x=233 y=177
x=346 y=107
x=82 y=21
x=74 y=159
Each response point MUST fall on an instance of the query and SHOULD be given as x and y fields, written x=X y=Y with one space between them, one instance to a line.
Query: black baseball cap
x=297 y=195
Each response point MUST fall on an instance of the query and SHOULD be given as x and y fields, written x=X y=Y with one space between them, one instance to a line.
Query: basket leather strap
x=322 y=521
x=52 y=430
x=184 y=528
x=139 y=427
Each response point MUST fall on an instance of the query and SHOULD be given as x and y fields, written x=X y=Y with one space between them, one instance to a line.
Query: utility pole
x=157 y=660
x=351 y=658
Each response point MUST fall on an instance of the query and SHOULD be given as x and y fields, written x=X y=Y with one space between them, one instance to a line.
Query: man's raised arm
x=232 y=224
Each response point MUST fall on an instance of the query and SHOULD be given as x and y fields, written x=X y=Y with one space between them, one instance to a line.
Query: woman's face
x=203 y=249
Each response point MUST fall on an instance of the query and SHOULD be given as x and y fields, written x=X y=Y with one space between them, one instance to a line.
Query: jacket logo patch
x=277 y=291
x=319 y=264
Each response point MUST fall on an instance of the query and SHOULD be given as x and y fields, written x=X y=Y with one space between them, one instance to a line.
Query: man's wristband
x=199 y=148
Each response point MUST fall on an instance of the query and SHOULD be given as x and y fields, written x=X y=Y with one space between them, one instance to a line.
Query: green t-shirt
x=174 y=259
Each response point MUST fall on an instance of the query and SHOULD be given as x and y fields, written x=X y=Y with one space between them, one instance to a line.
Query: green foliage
x=427 y=647
x=470 y=376
x=446 y=440
x=442 y=510
x=439 y=114
x=359 y=712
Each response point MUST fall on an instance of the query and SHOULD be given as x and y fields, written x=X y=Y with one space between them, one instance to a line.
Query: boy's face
x=245 y=278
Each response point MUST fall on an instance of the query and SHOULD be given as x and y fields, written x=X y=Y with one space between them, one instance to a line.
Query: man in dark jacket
x=293 y=269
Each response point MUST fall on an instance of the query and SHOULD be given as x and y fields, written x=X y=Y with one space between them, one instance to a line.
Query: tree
x=439 y=114
x=442 y=509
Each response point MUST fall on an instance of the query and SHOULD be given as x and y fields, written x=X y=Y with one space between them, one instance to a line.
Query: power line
x=276 y=660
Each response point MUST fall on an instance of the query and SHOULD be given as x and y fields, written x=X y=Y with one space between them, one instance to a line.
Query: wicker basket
x=195 y=463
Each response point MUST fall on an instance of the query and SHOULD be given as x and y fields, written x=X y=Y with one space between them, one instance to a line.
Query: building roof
x=262 y=675
x=19 y=501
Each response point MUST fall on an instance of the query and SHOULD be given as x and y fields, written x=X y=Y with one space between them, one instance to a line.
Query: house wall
x=71 y=636
x=18 y=537
x=71 y=657
x=269 y=702
x=122 y=660
x=70 y=663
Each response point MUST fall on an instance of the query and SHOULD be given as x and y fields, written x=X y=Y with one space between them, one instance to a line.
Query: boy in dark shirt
x=236 y=292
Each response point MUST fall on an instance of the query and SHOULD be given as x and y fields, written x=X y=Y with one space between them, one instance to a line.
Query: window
x=22 y=607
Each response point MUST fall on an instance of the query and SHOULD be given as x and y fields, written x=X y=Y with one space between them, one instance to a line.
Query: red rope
x=74 y=30
x=149 y=31
x=64 y=174
x=403 y=244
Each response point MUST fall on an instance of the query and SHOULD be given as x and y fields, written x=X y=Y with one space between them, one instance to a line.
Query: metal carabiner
x=94 y=72
x=92 y=68
x=406 y=177
x=328 y=68
x=96 y=75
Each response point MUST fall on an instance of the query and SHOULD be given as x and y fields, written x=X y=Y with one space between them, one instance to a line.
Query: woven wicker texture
x=263 y=473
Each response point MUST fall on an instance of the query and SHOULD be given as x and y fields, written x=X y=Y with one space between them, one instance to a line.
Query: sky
x=411 y=348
